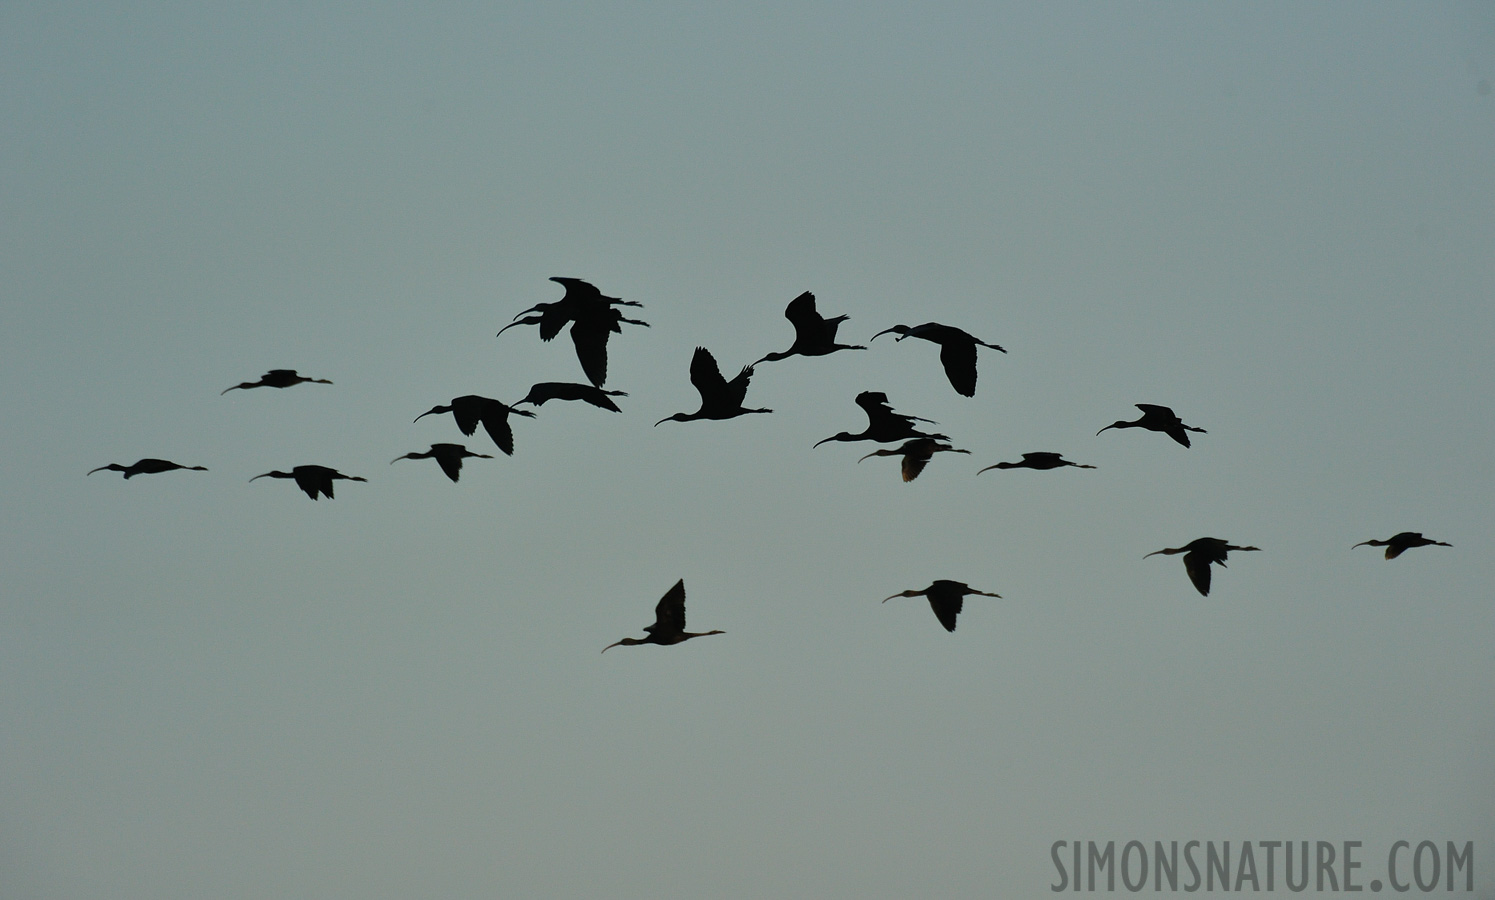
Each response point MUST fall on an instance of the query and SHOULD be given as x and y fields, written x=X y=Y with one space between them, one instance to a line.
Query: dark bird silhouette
x=813 y=334
x=916 y=455
x=592 y=316
x=946 y=598
x=471 y=409
x=669 y=622
x=1395 y=545
x=1198 y=554
x=448 y=456
x=883 y=425
x=312 y=479
x=720 y=399
x=564 y=390
x=1041 y=460
x=957 y=351
x=146 y=467
x=276 y=378
x=1159 y=418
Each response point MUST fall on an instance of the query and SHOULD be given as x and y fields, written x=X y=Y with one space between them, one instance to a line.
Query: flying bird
x=146 y=467
x=1198 y=554
x=471 y=409
x=312 y=479
x=946 y=598
x=276 y=378
x=814 y=335
x=1395 y=545
x=957 y=351
x=883 y=425
x=916 y=454
x=1038 y=461
x=1159 y=418
x=720 y=399
x=592 y=317
x=563 y=390
x=448 y=456
x=669 y=622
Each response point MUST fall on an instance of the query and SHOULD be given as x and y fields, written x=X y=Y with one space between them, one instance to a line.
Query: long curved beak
x=102 y=468
x=257 y=477
x=880 y=334
x=1104 y=429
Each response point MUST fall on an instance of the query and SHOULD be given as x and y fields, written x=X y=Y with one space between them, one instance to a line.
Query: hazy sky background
x=1276 y=218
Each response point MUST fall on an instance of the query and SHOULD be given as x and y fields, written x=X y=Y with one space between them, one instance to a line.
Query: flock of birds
x=593 y=317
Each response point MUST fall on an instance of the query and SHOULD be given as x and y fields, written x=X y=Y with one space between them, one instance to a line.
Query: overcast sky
x=1278 y=219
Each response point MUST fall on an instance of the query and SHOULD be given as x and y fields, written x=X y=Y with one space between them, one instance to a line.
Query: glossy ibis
x=946 y=598
x=312 y=479
x=592 y=317
x=1198 y=554
x=883 y=425
x=146 y=467
x=957 y=351
x=1159 y=418
x=669 y=622
x=1395 y=545
x=916 y=454
x=1042 y=460
x=471 y=409
x=448 y=456
x=276 y=378
x=814 y=335
x=546 y=391
x=720 y=399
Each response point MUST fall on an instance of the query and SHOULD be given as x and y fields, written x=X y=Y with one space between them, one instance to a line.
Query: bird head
x=901 y=330
x=840 y=436
x=435 y=410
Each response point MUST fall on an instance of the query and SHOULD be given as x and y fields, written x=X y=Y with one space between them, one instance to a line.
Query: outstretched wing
x=706 y=377
x=451 y=463
x=959 y=360
x=1197 y=565
x=495 y=417
x=946 y=609
x=590 y=337
x=669 y=615
x=809 y=327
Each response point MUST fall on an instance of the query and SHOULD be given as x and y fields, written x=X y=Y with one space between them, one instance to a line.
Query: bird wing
x=669 y=614
x=1197 y=565
x=450 y=462
x=1152 y=409
x=468 y=411
x=737 y=388
x=913 y=464
x=495 y=418
x=578 y=291
x=590 y=338
x=706 y=377
x=959 y=360
x=946 y=609
x=808 y=325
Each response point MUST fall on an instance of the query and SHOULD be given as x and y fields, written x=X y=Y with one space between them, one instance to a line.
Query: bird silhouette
x=1040 y=460
x=916 y=454
x=669 y=622
x=813 y=334
x=145 y=467
x=1198 y=554
x=946 y=598
x=720 y=399
x=448 y=456
x=592 y=316
x=957 y=351
x=471 y=409
x=1159 y=418
x=276 y=378
x=564 y=390
x=883 y=425
x=312 y=479
x=1395 y=545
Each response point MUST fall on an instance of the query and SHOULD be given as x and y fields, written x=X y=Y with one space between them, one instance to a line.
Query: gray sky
x=1276 y=218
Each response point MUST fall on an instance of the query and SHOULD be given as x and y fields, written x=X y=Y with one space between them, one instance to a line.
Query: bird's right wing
x=669 y=614
x=705 y=375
